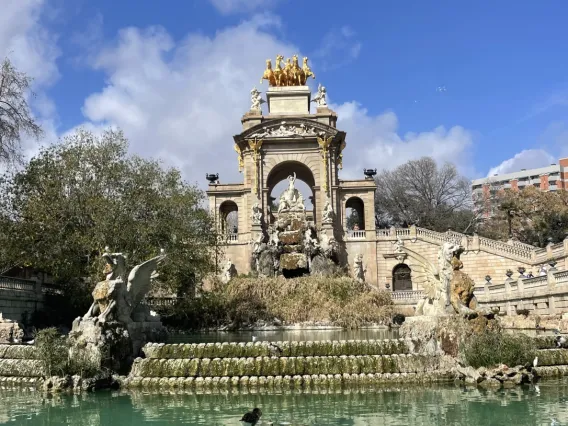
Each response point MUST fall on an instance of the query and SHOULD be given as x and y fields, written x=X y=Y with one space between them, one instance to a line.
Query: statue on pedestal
x=320 y=97
x=118 y=324
x=358 y=269
x=291 y=199
x=447 y=290
x=256 y=214
x=327 y=213
x=256 y=100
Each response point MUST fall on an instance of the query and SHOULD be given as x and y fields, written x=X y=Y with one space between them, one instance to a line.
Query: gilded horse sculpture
x=289 y=75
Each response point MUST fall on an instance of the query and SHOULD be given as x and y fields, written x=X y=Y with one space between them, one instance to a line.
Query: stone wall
x=19 y=297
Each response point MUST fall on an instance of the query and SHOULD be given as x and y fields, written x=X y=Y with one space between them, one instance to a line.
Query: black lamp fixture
x=369 y=173
x=212 y=178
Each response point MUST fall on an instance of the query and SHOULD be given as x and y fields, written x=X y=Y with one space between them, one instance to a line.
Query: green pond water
x=283 y=335
x=418 y=405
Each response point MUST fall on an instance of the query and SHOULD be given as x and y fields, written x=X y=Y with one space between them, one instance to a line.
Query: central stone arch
x=277 y=172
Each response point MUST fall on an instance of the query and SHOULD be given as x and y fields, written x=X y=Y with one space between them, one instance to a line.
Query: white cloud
x=33 y=50
x=227 y=7
x=183 y=101
x=29 y=45
x=526 y=159
x=374 y=142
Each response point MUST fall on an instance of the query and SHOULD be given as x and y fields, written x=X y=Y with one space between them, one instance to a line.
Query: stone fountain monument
x=291 y=246
x=117 y=325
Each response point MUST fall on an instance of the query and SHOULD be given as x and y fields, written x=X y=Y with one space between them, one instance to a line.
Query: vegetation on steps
x=493 y=347
x=245 y=301
x=52 y=349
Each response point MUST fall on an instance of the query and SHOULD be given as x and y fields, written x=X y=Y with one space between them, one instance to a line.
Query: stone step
x=548 y=357
x=282 y=366
x=21 y=368
x=278 y=349
x=317 y=382
x=18 y=352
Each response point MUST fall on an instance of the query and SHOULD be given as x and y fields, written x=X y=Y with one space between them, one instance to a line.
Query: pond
x=284 y=335
x=546 y=404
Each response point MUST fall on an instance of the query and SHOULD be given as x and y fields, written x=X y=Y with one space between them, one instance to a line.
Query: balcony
x=230 y=238
x=357 y=235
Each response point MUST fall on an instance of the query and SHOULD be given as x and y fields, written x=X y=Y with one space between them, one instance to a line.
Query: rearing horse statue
x=268 y=74
x=307 y=72
x=279 y=75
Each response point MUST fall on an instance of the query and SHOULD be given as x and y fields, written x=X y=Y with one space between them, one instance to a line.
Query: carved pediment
x=287 y=128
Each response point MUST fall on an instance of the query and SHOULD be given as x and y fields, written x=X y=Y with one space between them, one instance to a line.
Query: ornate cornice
x=289 y=128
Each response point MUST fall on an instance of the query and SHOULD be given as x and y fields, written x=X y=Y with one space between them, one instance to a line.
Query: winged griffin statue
x=118 y=297
x=447 y=290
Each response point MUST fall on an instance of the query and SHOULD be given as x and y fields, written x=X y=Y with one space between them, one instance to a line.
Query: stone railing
x=407 y=297
x=231 y=238
x=160 y=301
x=514 y=250
x=16 y=284
x=547 y=294
x=356 y=235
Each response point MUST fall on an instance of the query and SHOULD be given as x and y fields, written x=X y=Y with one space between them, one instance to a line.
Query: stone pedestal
x=112 y=345
x=288 y=100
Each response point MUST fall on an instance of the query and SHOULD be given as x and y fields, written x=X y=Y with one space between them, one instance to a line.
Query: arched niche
x=401 y=278
x=229 y=214
x=355 y=214
x=276 y=182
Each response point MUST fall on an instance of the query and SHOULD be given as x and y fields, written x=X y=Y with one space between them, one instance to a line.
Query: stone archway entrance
x=401 y=278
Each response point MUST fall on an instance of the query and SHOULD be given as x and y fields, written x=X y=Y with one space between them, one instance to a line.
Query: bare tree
x=15 y=114
x=421 y=193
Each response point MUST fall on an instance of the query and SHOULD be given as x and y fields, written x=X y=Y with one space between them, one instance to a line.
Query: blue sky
x=481 y=84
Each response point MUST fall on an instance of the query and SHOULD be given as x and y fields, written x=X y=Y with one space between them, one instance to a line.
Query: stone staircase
x=274 y=366
x=282 y=365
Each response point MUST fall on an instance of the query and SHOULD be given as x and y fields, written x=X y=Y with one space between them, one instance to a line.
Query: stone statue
x=256 y=99
x=229 y=271
x=447 y=290
x=117 y=325
x=327 y=213
x=291 y=199
x=328 y=245
x=320 y=98
x=256 y=214
x=358 y=269
x=117 y=296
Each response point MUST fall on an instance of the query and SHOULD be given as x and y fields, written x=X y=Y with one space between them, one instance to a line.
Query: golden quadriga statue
x=289 y=75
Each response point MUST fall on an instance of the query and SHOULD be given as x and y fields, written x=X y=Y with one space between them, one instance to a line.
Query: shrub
x=53 y=351
x=340 y=300
x=523 y=312
x=493 y=347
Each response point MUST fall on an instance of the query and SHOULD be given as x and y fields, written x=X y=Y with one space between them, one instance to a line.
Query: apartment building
x=550 y=178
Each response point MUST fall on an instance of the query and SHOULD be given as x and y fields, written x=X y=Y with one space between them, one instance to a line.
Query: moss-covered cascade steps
x=18 y=352
x=319 y=382
x=552 y=357
x=278 y=349
x=284 y=366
